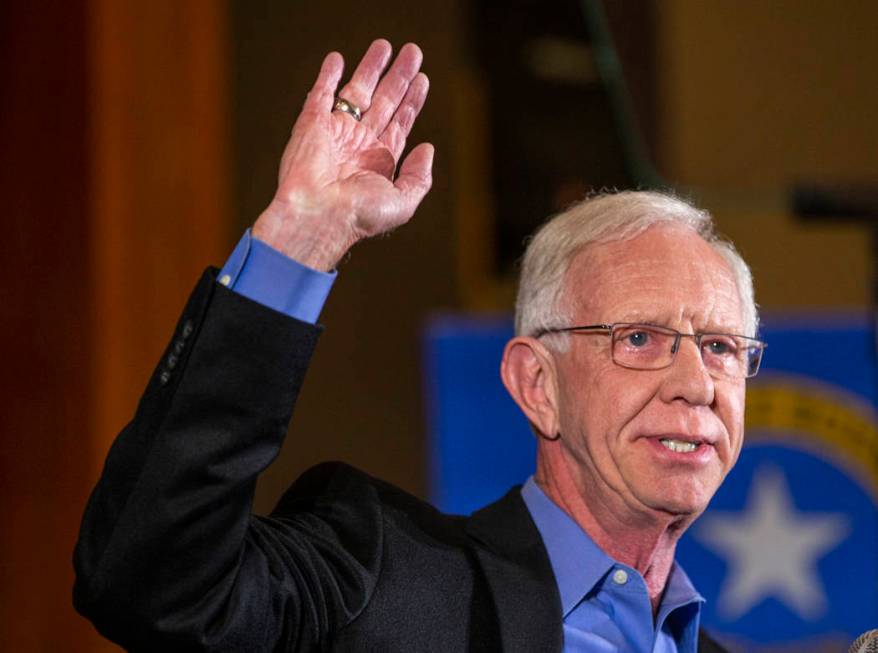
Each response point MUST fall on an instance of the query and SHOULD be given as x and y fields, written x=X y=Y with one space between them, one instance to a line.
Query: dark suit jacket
x=170 y=558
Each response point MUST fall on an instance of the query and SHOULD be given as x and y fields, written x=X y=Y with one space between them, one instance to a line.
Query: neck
x=640 y=538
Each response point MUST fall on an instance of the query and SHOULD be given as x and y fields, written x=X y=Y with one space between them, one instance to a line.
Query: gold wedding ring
x=348 y=107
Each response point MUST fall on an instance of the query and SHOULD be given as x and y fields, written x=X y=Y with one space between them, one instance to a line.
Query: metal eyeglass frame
x=752 y=343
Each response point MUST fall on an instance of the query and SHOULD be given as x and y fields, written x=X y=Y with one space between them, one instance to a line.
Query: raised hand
x=336 y=183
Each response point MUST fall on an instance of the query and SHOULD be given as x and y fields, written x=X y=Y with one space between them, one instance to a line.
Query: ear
x=529 y=374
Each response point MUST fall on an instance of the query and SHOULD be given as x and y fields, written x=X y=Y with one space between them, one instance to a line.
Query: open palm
x=336 y=183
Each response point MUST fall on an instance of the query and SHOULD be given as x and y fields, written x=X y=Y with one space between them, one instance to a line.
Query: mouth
x=680 y=446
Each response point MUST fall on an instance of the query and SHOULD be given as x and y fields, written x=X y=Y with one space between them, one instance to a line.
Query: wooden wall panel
x=113 y=197
x=44 y=318
x=755 y=97
x=161 y=183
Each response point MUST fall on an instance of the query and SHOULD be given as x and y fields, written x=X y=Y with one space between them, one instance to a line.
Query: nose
x=687 y=378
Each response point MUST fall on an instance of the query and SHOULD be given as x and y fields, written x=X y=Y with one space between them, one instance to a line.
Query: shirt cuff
x=265 y=275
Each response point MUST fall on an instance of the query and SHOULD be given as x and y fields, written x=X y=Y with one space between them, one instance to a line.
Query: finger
x=393 y=87
x=415 y=177
x=362 y=83
x=321 y=97
x=400 y=126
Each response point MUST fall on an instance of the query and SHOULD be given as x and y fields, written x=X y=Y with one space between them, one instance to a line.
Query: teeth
x=678 y=445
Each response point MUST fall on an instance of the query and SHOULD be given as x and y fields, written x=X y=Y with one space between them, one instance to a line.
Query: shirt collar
x=580 y=564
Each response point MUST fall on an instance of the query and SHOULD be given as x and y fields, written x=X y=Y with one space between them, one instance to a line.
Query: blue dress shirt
x=605 y=605
x=265 y=275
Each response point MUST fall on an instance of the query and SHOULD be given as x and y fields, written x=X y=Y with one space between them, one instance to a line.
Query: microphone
x=865 y=643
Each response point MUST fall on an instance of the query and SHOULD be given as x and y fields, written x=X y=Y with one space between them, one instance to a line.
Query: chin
x=681 y=502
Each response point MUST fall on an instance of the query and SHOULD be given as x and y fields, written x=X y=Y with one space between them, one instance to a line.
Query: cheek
x=732 y=415
x=599 y=404
x=584 y=407
x=624 y=405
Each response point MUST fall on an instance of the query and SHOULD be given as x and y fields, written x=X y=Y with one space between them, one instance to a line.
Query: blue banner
x=787 y=552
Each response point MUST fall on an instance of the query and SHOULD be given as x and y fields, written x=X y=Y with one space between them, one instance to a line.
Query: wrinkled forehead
x=668 y=275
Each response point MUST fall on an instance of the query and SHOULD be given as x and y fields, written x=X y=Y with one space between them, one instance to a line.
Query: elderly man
x=629 y=364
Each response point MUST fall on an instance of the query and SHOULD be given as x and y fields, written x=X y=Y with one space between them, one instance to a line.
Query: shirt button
x=620 y=577
x=225 y=280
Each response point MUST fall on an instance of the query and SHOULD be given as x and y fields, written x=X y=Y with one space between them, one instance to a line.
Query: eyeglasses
x=650 y=347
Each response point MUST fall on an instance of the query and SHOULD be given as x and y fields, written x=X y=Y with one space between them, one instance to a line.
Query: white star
x=772 y=549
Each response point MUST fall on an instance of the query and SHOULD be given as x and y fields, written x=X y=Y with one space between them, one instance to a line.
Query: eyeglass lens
x=646 y=347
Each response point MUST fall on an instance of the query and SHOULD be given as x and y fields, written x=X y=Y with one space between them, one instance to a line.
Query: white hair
x=603 y=218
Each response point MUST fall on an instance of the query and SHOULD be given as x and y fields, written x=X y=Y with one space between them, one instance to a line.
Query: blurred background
x=140 y=139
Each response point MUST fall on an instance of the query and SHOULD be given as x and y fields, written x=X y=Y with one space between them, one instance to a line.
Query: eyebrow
x=725 y=329
x=640 y=318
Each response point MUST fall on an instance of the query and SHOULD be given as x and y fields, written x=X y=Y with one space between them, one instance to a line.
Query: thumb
x=415 y=177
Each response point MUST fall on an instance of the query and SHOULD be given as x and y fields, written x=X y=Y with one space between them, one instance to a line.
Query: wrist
x=307 y=236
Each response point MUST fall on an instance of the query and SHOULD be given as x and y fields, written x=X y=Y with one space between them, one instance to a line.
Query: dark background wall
x=140 y=139
x=42 y=295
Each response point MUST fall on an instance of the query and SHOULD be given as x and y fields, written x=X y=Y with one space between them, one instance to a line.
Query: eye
x=720 y=346
x=637 y=338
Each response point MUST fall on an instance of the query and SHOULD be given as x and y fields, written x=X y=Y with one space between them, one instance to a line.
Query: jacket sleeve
x=169 y=556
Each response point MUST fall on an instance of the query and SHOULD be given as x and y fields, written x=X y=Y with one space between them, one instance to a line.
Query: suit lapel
x=519 y=574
